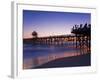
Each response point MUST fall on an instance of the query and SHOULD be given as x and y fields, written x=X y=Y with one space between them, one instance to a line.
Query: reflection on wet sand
x=34 y=62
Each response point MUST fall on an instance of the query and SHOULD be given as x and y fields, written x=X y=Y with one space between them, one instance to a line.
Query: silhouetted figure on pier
x=35 y=36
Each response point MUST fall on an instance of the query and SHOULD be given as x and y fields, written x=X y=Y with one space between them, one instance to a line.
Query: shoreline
x=35 y=62
x=74 y=61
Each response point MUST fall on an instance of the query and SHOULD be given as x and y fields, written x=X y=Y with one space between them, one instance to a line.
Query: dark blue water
x=33 y=51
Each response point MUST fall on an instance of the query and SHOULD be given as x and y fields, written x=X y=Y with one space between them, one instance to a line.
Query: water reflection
x=36 y=55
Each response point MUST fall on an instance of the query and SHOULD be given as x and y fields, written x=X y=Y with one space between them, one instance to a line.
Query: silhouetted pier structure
x=55 y=40
x=80 y=38
x=83 y=36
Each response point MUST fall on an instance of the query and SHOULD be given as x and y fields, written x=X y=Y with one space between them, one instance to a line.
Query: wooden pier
x=80 y=37
x=54 y=40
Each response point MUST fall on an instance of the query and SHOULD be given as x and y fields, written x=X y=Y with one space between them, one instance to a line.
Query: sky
x=48 y=23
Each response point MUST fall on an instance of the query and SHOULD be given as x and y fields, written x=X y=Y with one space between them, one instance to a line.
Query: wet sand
x=74 y=61
x=34 y=62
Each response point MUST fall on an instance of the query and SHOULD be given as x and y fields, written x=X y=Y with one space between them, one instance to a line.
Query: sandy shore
x=81 y=60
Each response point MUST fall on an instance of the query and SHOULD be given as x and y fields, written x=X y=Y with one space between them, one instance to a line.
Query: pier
x=54 y=40
x=80 y=37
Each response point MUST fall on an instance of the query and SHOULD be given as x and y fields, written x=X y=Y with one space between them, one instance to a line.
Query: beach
x=43 y=56
x=74 y=61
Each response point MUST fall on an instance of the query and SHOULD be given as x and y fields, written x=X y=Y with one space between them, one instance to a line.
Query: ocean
x=36 y=55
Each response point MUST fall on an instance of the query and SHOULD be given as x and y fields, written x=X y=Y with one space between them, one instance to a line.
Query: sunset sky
x=47 y=23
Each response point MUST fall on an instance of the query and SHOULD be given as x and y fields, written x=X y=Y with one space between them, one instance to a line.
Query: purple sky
x=47 y=23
